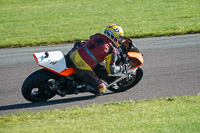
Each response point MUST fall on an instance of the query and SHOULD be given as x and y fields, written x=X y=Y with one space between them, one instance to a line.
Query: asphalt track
x=171 y=68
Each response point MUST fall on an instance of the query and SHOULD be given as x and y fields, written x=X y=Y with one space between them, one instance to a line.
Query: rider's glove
x=102 y=90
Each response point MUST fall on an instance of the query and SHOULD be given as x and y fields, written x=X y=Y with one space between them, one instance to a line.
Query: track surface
x=171 y=68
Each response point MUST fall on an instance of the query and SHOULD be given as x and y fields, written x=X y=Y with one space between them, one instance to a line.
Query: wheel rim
x=125 y=82
x=42 y=90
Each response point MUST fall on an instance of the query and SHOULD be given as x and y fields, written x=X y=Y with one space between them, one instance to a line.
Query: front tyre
x=127 y=84
x=36 y=87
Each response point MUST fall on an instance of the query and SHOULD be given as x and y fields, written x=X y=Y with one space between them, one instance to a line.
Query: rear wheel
x=36 y=87
x=127 y=83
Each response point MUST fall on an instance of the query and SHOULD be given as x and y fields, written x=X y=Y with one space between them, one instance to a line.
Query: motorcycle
x=56 y=79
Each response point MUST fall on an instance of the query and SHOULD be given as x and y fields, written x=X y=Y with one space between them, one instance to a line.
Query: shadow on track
x=40 y=104
x=52 y=102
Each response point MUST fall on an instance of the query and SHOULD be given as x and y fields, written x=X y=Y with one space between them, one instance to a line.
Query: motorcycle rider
x=98 y=48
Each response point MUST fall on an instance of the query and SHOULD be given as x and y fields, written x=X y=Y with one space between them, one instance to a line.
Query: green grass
x=165 y=115
x=41 y=22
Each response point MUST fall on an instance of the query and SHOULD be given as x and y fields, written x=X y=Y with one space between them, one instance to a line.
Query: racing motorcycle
x=56 y=79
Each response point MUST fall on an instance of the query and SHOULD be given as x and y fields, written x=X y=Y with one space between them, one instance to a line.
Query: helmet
x=115 y=34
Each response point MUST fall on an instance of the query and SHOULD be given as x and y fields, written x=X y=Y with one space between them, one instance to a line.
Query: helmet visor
x=120 y=39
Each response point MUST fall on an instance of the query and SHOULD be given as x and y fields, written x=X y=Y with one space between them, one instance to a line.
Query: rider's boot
x=92 y=90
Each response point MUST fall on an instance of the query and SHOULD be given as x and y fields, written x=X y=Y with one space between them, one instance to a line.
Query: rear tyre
x=127 y=84
x=36 y=87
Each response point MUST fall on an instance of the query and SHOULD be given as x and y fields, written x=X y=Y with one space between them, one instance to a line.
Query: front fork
x=126 y=75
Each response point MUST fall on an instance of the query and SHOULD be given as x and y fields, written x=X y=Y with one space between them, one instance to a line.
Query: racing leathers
x=89 y=55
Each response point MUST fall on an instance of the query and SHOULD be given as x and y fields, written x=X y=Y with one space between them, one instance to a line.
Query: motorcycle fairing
x=53 y=61
x=136 y=59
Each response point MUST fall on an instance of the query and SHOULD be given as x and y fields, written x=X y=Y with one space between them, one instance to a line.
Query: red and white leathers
x=89 y=55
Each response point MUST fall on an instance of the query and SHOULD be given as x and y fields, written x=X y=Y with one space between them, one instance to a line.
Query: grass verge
x=171 y=115
x=36 y=22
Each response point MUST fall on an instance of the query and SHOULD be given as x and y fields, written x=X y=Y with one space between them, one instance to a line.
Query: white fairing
x=54 y=61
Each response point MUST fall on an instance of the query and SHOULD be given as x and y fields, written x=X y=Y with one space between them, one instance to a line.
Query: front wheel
x=36 y=87
x=126 y=83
